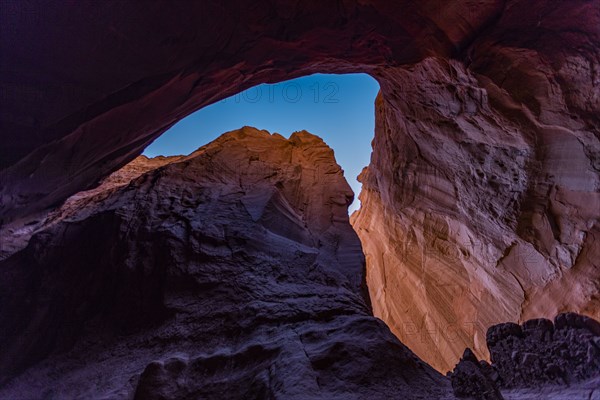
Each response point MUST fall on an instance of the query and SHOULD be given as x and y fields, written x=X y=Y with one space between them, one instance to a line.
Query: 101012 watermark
x=292 y=92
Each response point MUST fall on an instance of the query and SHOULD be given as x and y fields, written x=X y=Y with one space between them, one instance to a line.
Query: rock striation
x=481 y=202
x=229 y=273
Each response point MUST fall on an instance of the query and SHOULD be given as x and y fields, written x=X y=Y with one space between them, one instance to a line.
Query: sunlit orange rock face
x=481 y=201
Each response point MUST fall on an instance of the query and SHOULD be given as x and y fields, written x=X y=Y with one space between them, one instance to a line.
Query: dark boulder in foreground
x=537 y=353
x=474 y=378
x=542 y=352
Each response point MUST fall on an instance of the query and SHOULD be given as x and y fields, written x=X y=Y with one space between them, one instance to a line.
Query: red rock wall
x=482 y=203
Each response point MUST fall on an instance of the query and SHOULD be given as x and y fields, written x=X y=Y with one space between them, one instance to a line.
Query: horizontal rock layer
x=230 y=273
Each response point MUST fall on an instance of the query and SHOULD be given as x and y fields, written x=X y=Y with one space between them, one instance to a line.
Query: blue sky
x=338 y=108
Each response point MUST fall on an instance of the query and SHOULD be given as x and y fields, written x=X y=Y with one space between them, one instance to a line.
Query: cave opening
x=339 y=108
x=479 y=206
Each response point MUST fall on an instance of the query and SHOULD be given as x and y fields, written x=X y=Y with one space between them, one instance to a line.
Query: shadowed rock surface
x=481 y=201
x=538 y=354
x=232 y=273
x=541 y=352
x=474 y=379
x=16 y=235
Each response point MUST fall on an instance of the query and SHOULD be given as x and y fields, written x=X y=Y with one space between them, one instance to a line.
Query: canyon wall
x=482 y=200
x=230 y=273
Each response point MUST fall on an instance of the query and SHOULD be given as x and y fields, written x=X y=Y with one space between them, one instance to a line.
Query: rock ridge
x=229 y=273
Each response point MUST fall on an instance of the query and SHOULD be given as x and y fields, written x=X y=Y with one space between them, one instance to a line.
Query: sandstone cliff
x=481 y=201
x=230 y=273
x=475 y=210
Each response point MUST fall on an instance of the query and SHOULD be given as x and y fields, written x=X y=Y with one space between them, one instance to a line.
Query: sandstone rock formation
x=538 y=354
x=88 y=85
x=16 y=235
x=481 y=201
x=232 y=273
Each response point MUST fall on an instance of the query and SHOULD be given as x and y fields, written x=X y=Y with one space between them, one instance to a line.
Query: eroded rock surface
x=474 y=379
x=232 y=273
x=88 y=85
x=15 y=235
x=538 y=354
x=481 y=203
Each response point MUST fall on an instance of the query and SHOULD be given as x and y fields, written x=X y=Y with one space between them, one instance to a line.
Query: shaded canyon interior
x=234 y=272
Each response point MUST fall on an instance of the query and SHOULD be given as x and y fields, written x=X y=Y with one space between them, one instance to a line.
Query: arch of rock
x=481 y=201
